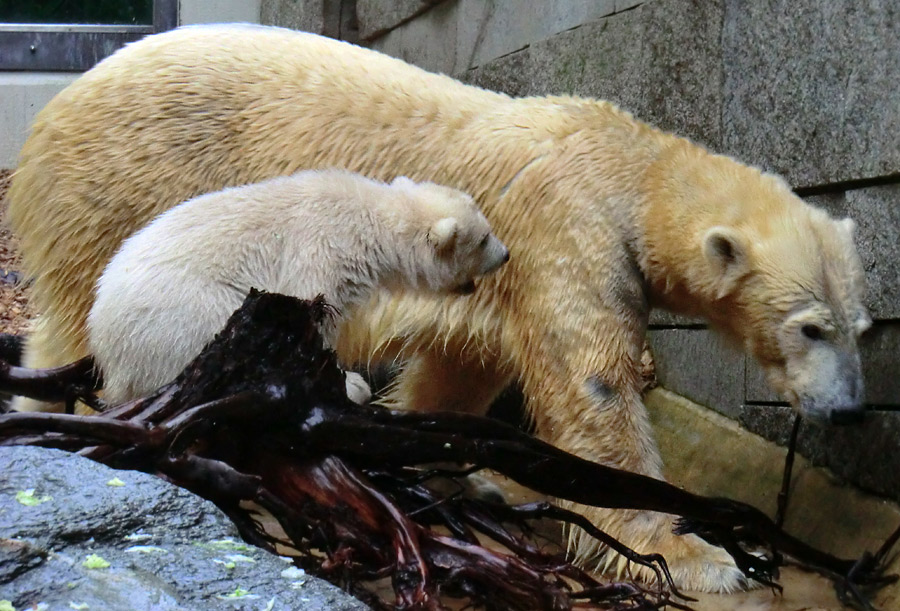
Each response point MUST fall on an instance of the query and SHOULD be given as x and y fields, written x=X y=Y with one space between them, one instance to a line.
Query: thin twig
x=781 y=511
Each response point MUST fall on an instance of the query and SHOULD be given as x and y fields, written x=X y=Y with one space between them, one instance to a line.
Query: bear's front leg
x=448 y=377
x=621 y=437
x=581 y=376
x=578 y=361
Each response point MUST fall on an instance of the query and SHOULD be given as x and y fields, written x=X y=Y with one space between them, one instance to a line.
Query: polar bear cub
x=172 y=285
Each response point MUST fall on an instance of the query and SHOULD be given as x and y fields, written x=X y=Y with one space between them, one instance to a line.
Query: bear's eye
x=484 y=241
x=813 y=332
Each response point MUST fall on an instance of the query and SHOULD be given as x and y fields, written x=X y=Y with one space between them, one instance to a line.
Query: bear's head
x=452 y=240
x=788 y=283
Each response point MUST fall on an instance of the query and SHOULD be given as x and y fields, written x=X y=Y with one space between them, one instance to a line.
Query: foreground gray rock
x=75 y=534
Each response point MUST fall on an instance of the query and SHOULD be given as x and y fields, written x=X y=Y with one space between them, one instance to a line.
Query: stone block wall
x=804 y=88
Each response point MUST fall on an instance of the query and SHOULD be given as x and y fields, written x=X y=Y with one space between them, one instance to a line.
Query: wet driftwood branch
x=261 y=415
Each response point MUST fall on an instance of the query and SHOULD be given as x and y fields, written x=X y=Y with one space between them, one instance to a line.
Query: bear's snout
x=838 y=411
x=827 y=387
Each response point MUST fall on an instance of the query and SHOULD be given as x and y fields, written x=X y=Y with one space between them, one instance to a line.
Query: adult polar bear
x=604 y=217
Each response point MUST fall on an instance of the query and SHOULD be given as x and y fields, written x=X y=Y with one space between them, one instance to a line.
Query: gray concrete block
x=307 y=15
x=375 y=17
x=811 y=87
x=503 y=27
x=696 y=364
x=880 y=352
x=304 y=15
x=681 y=67
x=598 y=60
x=22 y=96
x=876 y=211
x=218 y=11
x=660 y=60
x=865 y=455
x=455 y=36
x=429 y=41
x=772 y=422
x=757 y=389
x=15 y=126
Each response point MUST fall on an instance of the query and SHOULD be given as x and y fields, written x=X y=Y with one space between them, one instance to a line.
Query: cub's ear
x=862 y=323
x=402 y=181
x=442 y=235
x=848 y=226
x=726 y=252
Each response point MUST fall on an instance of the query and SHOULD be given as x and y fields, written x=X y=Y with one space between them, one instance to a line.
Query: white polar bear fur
x=173 y=284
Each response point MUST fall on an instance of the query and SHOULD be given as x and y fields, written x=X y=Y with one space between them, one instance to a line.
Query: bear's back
x=246 y=235
x=202 y=108
x=193 y=111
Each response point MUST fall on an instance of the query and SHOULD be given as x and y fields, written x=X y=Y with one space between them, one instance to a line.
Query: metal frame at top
x=74 y=47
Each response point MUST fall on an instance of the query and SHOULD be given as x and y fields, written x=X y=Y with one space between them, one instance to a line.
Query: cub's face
x=463 y=251
x=458 y=243
x=800 y=291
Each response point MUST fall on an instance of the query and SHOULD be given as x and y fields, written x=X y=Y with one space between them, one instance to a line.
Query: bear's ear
x=442 y=234
x=726 y=252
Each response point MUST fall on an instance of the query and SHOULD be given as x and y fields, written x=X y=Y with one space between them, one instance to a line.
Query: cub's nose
x=842 y=417
x=497 y=259
x=467 y=288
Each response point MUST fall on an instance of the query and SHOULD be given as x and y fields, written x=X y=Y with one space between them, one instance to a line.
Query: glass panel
x=118 y=12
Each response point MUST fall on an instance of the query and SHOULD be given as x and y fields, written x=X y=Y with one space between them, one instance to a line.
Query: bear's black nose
x=506 y=256
x=841 y=417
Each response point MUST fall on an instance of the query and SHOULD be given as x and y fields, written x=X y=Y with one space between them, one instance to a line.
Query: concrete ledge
x=710 y=454
x=863 y=454
x=713 y=455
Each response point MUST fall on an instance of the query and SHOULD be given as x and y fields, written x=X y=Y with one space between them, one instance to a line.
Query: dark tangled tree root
x=261 y=415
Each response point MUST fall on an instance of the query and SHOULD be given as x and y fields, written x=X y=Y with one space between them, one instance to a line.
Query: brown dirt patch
x=15 y=313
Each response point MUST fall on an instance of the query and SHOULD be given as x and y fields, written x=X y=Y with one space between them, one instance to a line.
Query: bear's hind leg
x=446 y=379
x=42 y=351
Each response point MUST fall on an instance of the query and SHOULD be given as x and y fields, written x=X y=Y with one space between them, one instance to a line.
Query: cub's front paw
x=358 y=389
